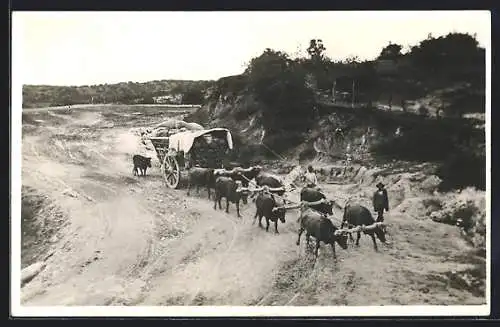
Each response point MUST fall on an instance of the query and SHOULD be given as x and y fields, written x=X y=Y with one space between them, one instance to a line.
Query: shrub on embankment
x=454 y=143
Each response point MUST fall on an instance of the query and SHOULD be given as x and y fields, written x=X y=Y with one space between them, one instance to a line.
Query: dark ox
x=265 y=179
x=245 y=176
x=231 y=165
x=201 y=177
x=141 y=164
x=322 y=229
x=226 y=187
x=357 y=215
x=312 y=195
x=239 y=174
x=271 y=208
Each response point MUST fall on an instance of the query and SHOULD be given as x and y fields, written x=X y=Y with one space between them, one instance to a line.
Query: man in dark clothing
x=380 y=201
x=339 y=135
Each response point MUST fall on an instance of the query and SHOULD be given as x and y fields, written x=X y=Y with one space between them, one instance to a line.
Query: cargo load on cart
x=180 y=146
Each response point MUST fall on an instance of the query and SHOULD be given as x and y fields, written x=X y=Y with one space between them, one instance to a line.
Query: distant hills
x=164 y=91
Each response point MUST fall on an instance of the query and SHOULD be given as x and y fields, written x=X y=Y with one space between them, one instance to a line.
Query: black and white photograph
x=251 y=163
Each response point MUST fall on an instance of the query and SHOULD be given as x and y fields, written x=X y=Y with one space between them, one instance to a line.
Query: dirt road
x=124 y=240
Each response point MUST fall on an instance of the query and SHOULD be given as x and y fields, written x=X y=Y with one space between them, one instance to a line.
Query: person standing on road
x=380 y=201
x=310 y=177
x=339 y=135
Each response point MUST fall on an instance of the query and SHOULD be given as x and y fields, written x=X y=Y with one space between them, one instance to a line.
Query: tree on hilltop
x=316 y=49
x=319 y=65
x=391 y=51
x=279 y=83
x=447 y=54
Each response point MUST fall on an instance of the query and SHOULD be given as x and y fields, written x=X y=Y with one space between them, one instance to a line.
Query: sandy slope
x=129 y=240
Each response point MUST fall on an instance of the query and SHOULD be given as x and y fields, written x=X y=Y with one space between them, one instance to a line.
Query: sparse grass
x=471 y=280
x=432 y=204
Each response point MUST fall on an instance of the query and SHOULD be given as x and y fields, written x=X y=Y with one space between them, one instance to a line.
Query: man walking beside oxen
x=380 y=201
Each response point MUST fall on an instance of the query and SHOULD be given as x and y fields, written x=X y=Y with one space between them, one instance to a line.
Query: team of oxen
x=233 y=185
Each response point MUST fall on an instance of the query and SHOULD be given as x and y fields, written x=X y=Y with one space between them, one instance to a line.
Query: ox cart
x=179 y=151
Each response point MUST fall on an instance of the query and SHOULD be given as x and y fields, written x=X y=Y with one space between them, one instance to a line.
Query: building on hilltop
x=169 y=98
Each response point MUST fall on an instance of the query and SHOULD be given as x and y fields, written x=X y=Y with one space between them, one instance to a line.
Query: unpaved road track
x=131 y=241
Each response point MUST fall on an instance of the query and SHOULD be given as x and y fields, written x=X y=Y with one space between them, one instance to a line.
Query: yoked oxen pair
x=244 y=176
x=314 y=221
x=354 y=216
x=206 y=177
x=260 y=178
x=270 y=206
x=224 y=186
x=229 y=188
x=273 y=182
x=267 y=205
x=313 y=195
x=359 y=216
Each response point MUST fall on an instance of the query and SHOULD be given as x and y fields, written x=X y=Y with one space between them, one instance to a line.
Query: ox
x=226 y=187
x=271 y=208
x=201 y=177
x=357 y=215
x=321 y=228
x=141 y=164
x=313 y=195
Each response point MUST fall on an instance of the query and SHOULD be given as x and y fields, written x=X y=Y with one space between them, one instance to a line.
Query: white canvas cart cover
x=183 y=141
x=175 y=123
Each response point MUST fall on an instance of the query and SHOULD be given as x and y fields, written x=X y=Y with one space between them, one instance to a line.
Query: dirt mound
x=466 y=210
x=42 y=221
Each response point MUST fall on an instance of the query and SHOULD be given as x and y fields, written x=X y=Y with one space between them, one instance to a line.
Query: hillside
x=190 y=92
x=415 y=106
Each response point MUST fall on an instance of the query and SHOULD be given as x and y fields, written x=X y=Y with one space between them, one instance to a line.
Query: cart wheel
x=171 y=172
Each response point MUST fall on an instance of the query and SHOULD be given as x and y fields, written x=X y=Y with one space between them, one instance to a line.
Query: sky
x=84 y=48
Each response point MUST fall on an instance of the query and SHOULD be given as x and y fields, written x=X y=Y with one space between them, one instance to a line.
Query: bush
x=193 y=96
x=417 y=144
x=283 y=141
x=279 y=83
x=244 y=109
x=432 y=205
x=307 y=154
x=423 y=111
x=148 y=99
x=249 y=154
x=461 y=170
x=200 y=116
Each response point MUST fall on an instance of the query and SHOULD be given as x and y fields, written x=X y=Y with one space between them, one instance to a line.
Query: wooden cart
x=179 y=152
